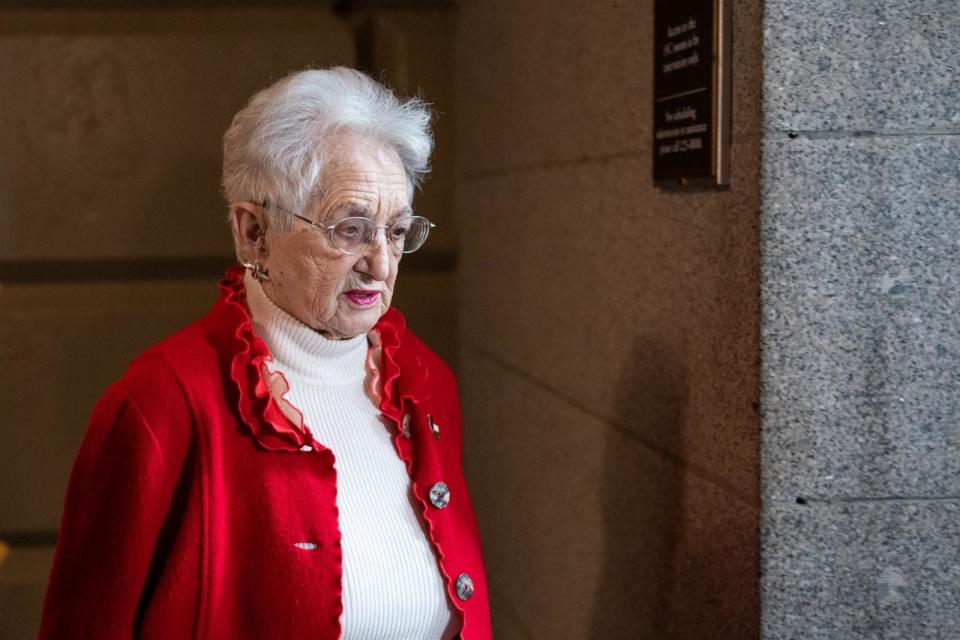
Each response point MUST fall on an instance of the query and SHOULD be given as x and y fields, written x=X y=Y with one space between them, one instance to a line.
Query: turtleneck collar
x=300 y=351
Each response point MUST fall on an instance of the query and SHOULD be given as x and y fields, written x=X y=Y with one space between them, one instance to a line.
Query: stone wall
x=861 y=344
x=610 y=332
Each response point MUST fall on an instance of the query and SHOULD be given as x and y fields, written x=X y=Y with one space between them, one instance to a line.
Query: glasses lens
x=409 y=234
x=352 y=235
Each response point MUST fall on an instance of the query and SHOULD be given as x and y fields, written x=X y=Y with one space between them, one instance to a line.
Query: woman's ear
x=249 y=227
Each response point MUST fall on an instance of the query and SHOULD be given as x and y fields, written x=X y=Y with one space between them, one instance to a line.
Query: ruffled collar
x=396 y=376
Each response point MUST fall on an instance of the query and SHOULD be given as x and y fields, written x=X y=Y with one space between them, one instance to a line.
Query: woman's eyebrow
x=354 y=208
x=344 y=209
x=361 y=209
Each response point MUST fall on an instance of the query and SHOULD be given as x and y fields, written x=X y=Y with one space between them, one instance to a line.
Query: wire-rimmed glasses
x=356 y=234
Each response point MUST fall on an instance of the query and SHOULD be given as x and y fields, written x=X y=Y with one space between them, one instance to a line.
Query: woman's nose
x=376 y=259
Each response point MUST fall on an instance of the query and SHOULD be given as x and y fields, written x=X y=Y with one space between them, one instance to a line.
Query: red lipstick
x=362 y=297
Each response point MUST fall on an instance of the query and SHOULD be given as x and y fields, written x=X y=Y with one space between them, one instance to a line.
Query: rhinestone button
x=306 y=448
x=405 y=425
x=464 y=586
x=439 y=495
x=434 y=427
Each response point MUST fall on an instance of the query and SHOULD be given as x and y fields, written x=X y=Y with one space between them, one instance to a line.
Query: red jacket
x=193 y=485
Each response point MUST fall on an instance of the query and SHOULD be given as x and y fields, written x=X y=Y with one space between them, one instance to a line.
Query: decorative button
x=439 y=495
x=405 y=425
x=464 y=586
x=306 y=448
x=434 y=427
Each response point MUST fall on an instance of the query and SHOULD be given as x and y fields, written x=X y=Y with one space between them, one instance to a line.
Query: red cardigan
x=195 y=480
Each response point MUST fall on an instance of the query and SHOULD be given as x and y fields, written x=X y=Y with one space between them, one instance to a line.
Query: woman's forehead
x=350 y=207
x=370 y=200
x=363 y=176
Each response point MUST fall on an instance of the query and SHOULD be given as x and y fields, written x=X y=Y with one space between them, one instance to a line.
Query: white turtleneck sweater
x=392 y=586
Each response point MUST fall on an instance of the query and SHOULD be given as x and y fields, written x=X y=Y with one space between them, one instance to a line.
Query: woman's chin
x=358 y=321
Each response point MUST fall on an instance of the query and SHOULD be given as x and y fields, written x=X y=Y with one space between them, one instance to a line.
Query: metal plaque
x=691 y=140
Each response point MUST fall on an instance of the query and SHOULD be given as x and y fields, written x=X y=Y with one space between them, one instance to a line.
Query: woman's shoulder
x=161 y=380
x=186 y=353
x=143 y=413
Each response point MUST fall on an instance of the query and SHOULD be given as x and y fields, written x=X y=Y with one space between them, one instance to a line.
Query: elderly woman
x=288 y=466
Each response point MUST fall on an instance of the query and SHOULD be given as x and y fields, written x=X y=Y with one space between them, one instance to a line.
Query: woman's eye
x=400 y=229
x=349 y=230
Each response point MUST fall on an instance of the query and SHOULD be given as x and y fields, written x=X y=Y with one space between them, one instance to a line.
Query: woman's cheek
x=327 y=300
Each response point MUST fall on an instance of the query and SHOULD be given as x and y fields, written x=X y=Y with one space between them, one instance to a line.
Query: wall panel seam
x=587 y=160
x=558 y=164
x=847 y=500
x=681 y=463
x=829 y=134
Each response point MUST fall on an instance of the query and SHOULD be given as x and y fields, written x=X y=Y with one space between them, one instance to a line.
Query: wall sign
x=691 y=140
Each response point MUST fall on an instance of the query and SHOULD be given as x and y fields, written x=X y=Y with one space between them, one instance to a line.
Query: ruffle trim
x=394 y=375
x=403 y=376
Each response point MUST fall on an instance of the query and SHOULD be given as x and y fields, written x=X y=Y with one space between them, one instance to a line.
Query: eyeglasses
x=356 y=234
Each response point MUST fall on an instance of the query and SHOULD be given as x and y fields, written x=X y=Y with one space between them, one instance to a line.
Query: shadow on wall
x=643 y=499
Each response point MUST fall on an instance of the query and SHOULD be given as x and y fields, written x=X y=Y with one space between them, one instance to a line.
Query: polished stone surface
x=861 y=346
x=888 y=65
x=864 y=570
x=861 y=270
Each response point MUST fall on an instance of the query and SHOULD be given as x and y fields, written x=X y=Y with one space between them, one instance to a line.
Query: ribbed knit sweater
x=392 y=587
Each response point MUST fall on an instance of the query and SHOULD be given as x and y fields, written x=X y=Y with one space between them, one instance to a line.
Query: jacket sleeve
x=118 y=497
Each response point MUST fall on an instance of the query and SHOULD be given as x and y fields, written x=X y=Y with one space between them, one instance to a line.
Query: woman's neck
x=299 y=350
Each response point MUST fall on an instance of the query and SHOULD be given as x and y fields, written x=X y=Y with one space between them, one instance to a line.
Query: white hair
x=277 y=145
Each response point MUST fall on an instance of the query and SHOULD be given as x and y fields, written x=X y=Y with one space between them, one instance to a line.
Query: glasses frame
x=329 y=228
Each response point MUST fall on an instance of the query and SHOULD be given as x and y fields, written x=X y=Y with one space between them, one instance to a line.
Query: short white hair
x=277 y=145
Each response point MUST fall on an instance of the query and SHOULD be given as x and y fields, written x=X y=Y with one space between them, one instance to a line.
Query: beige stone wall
x=609 y=332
